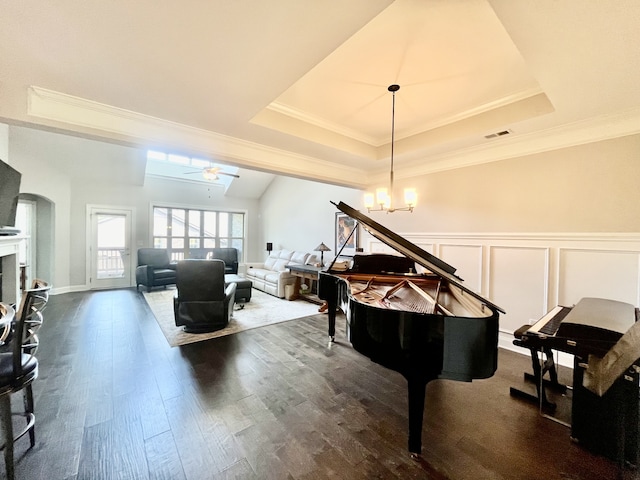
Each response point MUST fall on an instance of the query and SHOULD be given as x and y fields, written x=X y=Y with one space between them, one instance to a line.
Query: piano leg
x=416 y=410
x=332 y=305
x=417 y=384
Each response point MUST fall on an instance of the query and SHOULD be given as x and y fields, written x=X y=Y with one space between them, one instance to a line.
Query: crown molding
x=378 y=142
x=68 y=109
x=72 y=110
x=595 y=129
x=305 y=118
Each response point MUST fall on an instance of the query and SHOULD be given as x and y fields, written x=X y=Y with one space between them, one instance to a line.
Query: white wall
x=4 y=142
x=586 y=188
x=589 y=188
x=297 y=214
x=155 y=191
x=528 y=233
x=69 y=171
x=40 y=176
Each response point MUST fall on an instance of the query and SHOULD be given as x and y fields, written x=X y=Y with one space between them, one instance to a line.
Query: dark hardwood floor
x=114 y=401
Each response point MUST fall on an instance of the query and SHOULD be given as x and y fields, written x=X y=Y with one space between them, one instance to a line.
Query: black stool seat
x=28 y=373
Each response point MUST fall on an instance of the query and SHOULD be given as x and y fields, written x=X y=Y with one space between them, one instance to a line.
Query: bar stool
x=19 y=366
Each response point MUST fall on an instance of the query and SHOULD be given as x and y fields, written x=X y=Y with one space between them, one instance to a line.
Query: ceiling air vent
x=502 y=133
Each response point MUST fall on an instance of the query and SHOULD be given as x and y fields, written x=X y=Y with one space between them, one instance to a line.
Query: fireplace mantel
x=9 y=248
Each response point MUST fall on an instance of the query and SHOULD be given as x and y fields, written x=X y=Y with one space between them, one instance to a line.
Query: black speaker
x=607 y=425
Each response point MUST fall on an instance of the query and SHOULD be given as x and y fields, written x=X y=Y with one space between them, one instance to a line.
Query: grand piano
x=411 y=314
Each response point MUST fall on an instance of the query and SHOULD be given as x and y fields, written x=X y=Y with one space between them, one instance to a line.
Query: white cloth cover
x=602 y=372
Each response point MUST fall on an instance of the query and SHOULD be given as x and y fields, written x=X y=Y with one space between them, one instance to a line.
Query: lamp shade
x=322 y=248
x=410 y=196
x=269 y=246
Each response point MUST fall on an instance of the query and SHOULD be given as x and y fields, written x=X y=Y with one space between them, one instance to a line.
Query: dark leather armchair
x=228 y=255
x=154 y=268
x=202 y=303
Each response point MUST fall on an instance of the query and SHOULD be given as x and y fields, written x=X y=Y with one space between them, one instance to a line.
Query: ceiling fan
x=211 y=173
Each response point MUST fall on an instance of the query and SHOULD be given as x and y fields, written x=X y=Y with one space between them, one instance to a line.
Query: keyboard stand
x=542 y=362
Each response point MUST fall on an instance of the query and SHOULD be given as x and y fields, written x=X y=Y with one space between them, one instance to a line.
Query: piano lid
x=410 y=250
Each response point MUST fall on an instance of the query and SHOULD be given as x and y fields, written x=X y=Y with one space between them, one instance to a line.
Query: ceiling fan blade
x=210 y=173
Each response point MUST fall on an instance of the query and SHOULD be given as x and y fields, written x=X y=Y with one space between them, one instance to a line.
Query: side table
x=306 y=272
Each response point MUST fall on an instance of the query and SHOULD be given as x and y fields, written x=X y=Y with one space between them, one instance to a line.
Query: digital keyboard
x=592 y=326
x=548 y=325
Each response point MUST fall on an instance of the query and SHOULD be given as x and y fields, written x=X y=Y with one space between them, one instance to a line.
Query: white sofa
x=272 y=276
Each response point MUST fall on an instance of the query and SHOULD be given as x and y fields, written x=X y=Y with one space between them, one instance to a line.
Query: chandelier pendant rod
x=393 y=89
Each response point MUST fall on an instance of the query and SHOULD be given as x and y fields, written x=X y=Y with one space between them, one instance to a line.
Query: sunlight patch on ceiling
x=191 y=169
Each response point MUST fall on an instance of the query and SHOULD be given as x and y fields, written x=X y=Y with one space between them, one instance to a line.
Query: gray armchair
x=201 y=302
x=154 y=268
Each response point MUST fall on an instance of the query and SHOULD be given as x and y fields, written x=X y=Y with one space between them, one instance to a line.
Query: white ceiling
x=301 y=87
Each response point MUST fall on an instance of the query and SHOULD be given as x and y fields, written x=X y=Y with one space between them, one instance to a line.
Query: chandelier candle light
x=383 y=197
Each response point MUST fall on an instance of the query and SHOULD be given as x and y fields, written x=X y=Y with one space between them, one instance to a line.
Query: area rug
x=262 y=310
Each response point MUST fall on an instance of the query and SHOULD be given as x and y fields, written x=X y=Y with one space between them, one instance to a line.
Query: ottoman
x=243 y=286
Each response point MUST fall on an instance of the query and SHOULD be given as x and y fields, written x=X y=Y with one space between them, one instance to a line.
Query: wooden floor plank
x=162 y=457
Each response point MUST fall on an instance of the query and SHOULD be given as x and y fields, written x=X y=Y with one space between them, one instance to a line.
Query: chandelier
x=384 y=197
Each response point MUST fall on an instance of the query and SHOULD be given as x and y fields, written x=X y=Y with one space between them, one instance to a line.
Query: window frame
x=179 y=252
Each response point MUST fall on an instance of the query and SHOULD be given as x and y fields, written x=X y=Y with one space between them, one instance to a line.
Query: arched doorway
x=36 y=220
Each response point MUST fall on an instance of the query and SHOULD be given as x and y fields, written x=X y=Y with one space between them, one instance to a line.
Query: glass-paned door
x=110 y=248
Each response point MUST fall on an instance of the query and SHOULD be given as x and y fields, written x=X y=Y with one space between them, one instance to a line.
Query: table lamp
x=322 y=248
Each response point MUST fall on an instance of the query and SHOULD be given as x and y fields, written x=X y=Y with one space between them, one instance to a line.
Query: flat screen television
x=9 y=190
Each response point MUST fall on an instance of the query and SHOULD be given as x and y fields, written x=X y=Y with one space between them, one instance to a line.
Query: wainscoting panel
x=376 y=246
x=467 y=259
x=598 y=273
x=518 y=282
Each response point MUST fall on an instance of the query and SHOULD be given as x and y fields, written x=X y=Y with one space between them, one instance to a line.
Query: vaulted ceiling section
x=300 y=88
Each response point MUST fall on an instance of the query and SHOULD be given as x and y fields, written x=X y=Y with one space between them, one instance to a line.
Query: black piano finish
x=422 y=347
